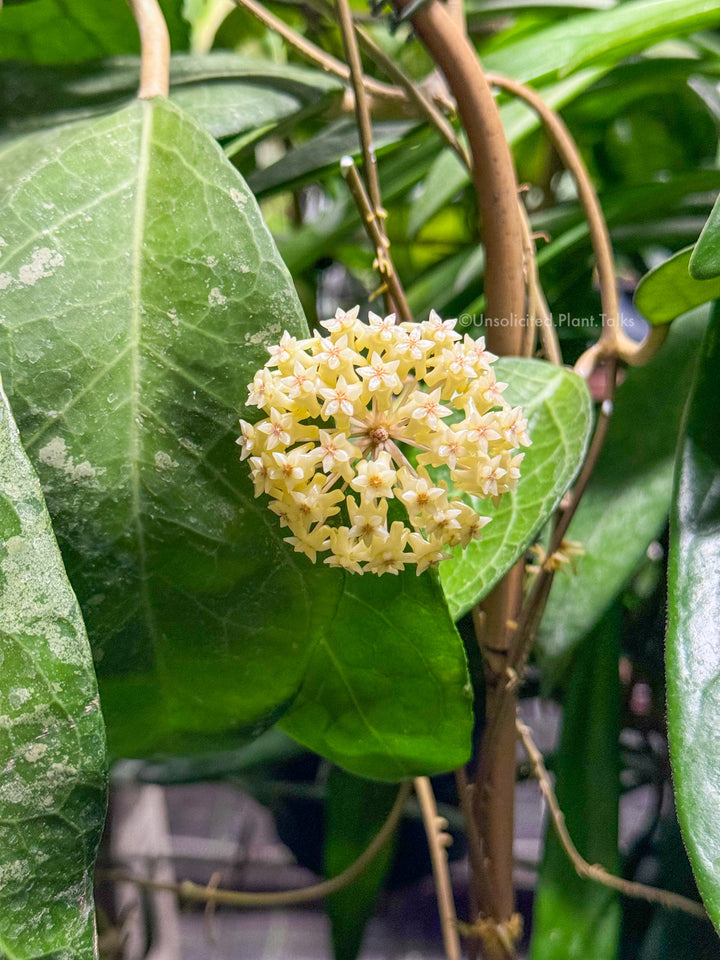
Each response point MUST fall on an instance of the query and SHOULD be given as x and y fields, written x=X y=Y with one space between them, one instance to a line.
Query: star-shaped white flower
x=380 y=374
x=375 y=478
x=341 y=398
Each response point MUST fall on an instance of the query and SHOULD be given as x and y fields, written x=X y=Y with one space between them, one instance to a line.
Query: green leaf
x=491 y=8
x=705 y=260
x=557 y=405
x=132 y=325
x=668 y=291
x=381 y=686
x=355 y=811
x=323 y=152
x=605 y=37
x=52 y=745
x=69 y=31
x=576 y=919
x=693 y=634
x=227 y=94
x=626 y=503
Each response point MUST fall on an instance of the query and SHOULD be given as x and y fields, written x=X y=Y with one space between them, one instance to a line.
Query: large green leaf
x=668 y=291
x=353 y=706
x=625 y=506
x=69 y=31
x=557 y=405
x=226 y=93
x=355 y=811
x=705 y=260
x=576 y=919
x=133 y=323
x=693 y=634
x=52 y=741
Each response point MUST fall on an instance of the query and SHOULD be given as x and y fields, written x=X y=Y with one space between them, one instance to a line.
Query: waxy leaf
x=574 y=918
x=669 y=290
x=227 y=94
x=378 y=689
x=140 y=291
x=557 y=405
x=52 y=741
x=693 y=634
x=705 y=260
x=626 y=503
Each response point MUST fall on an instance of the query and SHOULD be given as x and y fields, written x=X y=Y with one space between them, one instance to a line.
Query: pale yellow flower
x=365 y=415
x=375 y=478
x=340 y=398
x=380 y=374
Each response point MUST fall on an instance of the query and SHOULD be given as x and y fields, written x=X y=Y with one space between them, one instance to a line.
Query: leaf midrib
x=135 y=367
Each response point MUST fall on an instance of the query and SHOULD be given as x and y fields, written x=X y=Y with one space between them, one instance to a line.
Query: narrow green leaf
x=355 y=811
x=69 y=31
x=693 y=634
x=491 y=8
x=323 y=152
x=131 y=329
x=576 y=919
x=559 y=411
x=705 y=260
x=227 y=94
x=668 y=291
x=52 y=741
x=381 y=686
x=603 y=37
x=625 y=506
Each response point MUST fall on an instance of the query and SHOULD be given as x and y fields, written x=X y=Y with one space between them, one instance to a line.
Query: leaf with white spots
x=128 y=361
x=52 y=740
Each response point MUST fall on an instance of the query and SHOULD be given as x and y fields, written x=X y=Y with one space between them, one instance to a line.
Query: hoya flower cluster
x=354 y=420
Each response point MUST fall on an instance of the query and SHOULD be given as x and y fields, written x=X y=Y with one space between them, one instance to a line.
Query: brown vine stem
x=493 y=170
x=233 y=898
x=154 y=49
x=497 y=191
x=437 y=838
x=613 y=342
x=314 y=53
x=385 y=266
x=590 y=871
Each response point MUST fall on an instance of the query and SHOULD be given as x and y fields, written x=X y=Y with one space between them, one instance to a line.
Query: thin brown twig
x=317 y=55
x=362 y=109
x=538 y=313
x=384 y=262
x=187 y=890
x=435 y=827
x=154 y=49
x=414 y=94
x=593 y=871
